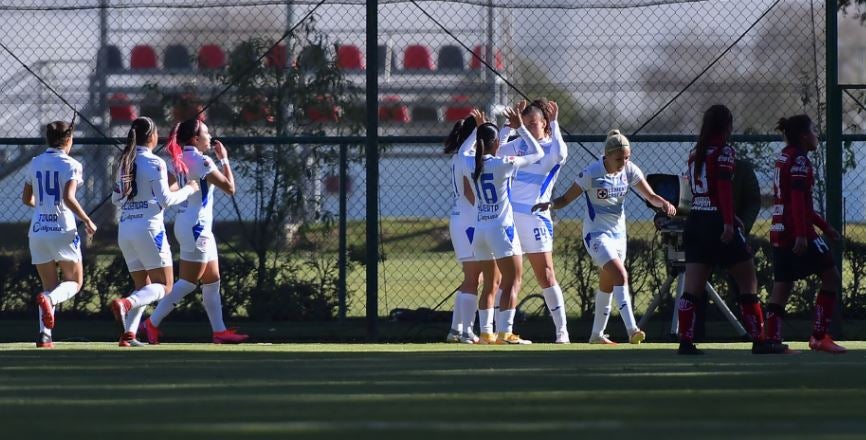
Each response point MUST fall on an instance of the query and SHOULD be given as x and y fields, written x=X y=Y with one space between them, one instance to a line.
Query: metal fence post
x=341 y=259
x=372 y=170
x=834 y=143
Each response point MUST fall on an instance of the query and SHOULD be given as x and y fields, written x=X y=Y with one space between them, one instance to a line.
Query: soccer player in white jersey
x=495 y=242
x=142 y=193
x=193 y=228
x=606 y=182
x=50 y=188
x=533 y=183
x=461 y=142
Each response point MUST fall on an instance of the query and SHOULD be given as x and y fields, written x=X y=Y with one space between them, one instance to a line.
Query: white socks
x=133 y=318
x=556 y=305
x=456 y=315
x=64 y=291
x=623 y=302
x=602 y=313
x=180 y=289
x=505 y=323
x=140 y=299
x=147 y=294
x=468 y=305
x=210 y=299
x=485 y=320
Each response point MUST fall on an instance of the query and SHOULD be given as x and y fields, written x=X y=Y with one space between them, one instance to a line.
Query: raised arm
x=535 y=152
x=467 y=148
x=224 y=179
x=558 y=149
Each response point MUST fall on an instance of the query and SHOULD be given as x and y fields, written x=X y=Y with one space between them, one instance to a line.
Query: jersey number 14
x=50 y=187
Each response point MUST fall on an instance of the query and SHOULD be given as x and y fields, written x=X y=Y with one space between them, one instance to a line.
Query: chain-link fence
x=283 y=83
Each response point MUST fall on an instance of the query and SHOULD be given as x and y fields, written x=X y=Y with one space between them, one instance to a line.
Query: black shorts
x=789 y=267
x=702 y=240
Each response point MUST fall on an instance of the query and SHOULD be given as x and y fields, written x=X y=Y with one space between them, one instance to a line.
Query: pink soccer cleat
x=229 y=337
x=826 y=344
x=152 y=332
x=44 y=303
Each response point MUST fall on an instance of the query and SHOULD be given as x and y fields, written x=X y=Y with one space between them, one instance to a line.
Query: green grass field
x=96 y=390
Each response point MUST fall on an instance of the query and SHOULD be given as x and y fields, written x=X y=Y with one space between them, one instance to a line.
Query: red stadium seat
x=349 y=57
x=323 y=110
x=120 y=110
x=392 y=110
x=417 y=57
x=475 y=63
x=459 y=110
x=277 y=57
x=211 y=56
x=142 y=57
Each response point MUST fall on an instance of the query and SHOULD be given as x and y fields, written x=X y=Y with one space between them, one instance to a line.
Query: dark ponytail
x=139 y=131
x=461 y=130
x=485 y=141
x=717 y=121
x=794 y=127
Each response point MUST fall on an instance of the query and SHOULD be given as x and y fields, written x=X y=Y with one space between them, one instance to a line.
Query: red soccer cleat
x=152 y=332
x=44 y=341
x=127 y=339
x=229 y=337
x=826 y=344
x=44 y=303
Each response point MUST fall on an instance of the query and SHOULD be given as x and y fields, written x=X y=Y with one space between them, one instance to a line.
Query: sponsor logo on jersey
x=777 y=227
x=133 y=205
x=39 y=227
x=48 y=218
x=702 y=203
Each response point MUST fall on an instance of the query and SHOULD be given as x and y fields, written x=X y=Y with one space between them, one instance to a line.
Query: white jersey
x=493 y=186
x=534 y=182
x=605 y=196
x=460 y=166
x=198 y=208
x=145 y=209
x=48 y=175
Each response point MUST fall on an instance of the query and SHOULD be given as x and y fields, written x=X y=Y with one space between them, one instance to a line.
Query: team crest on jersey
x=206 y=162
x=801 y=165
x=601 y=193
x=509 y=159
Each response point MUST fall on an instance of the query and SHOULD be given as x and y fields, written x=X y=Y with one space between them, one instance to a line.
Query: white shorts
x=535 y=232
x=57 y=246
x=603 y=247
x=462 y=229
x=197 y=244
x=145 y=249
x=495 y=243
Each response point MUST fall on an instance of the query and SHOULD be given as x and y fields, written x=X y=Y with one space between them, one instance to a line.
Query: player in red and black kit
x=797 y=250
x=711 y=236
